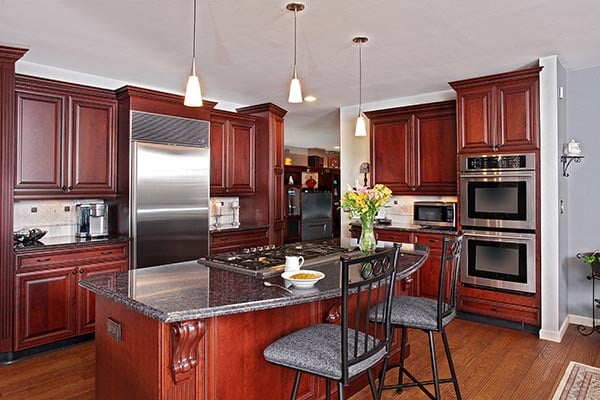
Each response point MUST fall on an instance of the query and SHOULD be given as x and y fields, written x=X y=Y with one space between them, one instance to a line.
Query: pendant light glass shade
x=193 y=94
x=361 y=126
x=295 y=90
x=295 y=95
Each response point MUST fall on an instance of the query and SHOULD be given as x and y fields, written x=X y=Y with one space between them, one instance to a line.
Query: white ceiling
x=245 y=47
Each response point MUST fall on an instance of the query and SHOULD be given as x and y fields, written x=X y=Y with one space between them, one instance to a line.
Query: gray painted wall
x=563 y=220
x=583 y=124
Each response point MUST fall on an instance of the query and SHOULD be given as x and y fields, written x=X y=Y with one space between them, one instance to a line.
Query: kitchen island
x=184 y=331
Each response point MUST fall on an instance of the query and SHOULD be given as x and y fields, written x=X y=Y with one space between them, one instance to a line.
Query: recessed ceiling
x=245 y=48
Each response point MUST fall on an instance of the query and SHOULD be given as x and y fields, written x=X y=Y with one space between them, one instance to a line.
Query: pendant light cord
x=194 y=43
x=359 y=78
x=295 y=39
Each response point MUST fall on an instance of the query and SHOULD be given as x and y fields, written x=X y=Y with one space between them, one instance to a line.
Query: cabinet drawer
x=393 y=236
x=71 y=256
x=494 y=309
x=435 y=241
x=222 y=242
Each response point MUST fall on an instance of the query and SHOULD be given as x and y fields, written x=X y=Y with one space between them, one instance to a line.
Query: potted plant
x=593 y=259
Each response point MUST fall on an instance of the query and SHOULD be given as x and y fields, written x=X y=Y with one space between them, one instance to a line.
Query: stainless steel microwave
x=434 y=213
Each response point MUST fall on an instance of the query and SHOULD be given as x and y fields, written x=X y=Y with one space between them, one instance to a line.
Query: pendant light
x=295 y=95
x=193 y=95
x=361 y=126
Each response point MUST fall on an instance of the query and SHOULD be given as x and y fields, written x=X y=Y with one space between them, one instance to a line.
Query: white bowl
x=303 y=283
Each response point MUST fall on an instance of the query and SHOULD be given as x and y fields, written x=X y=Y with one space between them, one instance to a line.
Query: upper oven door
x=498 y=200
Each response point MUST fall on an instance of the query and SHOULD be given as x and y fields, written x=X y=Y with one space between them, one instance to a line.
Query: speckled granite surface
x=410 y=228
x=65 y=241
x=239 y=228
x=189 y=290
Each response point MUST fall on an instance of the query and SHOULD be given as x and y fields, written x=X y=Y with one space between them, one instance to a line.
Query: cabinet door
x=218 y=155
x=93 y=147
x=391 y=154
x=240 y=163
x=475 y=118
x=86 y=300
x=40 y=143
x=429 y=273
x=518 y=114
x=44 y=307
x=435 y=157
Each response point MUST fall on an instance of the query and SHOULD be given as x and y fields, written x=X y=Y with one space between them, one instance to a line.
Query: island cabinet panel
x=429 y=273
x=66 y=140
x=49 y=304
x=236 y=241
x=498 y=112
x=413 y=148
x=232 y=142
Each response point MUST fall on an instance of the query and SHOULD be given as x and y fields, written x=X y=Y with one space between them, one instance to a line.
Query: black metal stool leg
x=402 y=355
x=296 y=385
x=434 y=371
x=341 y=390
x=327 y=389
x=450 y=364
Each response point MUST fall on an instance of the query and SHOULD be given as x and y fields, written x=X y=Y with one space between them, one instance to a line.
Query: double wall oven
x=498 y=198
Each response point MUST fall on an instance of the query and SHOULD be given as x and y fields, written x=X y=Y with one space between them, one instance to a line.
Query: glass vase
x=367 y=242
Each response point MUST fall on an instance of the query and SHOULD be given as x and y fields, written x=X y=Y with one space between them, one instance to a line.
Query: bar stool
x=429 y=315
x=342 y=353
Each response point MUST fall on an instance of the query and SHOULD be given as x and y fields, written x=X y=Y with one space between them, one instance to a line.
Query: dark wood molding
x=8 y=57
x=224 y=115
x=423 y=109
x=265 y=107
x=36 y=84
x=521 y=73
x=134 y=91
x=185 y=337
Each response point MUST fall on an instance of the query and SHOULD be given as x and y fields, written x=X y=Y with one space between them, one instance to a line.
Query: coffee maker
x=92 y=220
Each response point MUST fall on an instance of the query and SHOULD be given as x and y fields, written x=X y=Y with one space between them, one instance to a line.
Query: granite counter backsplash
x=411 y=228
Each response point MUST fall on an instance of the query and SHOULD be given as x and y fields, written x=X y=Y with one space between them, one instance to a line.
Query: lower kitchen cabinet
x=236 y=241
x=49 y=303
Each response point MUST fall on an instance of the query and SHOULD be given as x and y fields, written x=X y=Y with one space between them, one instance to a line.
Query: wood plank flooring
x=492 y=364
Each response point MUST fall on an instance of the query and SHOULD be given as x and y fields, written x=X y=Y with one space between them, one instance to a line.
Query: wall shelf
x=567 y=160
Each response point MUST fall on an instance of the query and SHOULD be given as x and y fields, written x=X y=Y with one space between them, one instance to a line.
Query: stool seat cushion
x=316 y=350
x=414 y=312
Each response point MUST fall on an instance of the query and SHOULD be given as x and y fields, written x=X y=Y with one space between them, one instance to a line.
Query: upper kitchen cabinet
x=413 y=148
x=498 y=112
x=65 y=140
x=232 y=148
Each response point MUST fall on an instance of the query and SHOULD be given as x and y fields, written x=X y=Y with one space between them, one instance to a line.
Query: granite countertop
x=240 y=228
x=410 y=228
x=65 y=241
x=190 y=290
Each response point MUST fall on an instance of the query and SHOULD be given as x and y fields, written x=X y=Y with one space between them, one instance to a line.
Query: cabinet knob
x=74 y=272
x=43 y=259
x=70 y=188
x=81 y=271
x=63 y=188
x=413 y=188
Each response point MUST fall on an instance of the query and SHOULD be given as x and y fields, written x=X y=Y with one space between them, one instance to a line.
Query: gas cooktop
x=267 y=261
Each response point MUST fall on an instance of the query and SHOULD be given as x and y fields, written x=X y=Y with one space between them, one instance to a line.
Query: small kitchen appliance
x=92 y=220
x=435 y=214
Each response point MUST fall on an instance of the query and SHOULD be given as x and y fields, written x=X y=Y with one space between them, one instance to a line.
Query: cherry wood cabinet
x=498 y=112
x=412 y=148
x=232 y=148
x=65 y=140
x=50 y=305
x=235 y=241
x=429 y=273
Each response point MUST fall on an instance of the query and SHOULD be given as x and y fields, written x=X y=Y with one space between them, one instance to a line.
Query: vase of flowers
x=365 y=203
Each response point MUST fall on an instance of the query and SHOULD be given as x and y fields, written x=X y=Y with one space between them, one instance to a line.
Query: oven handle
x=495 y=174
x=500 y=235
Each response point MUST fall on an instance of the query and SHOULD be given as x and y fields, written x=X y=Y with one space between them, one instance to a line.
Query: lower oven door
x=500 y=260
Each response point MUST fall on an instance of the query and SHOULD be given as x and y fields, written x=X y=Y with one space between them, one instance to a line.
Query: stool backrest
x=367 y=284
x=448 y=283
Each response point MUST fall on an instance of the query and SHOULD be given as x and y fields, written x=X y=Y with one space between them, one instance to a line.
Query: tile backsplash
x=229 y=210
x=58 y=217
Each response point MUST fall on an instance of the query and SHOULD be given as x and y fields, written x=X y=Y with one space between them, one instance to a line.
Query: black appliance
x=267 y=261
x=316 y=215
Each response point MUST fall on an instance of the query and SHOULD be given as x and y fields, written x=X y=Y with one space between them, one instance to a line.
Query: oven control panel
x=498 y=162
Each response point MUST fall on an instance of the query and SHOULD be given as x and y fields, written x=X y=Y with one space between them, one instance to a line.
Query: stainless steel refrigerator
x=169 y=201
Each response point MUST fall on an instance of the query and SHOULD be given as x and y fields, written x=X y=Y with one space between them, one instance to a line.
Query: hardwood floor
x=491 y=362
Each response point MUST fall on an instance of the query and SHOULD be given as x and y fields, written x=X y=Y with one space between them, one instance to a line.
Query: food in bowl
x=304 y=278
x=305 y=275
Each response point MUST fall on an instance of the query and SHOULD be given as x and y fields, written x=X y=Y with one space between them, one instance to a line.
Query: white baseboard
x=556 y=336
x=581 y=320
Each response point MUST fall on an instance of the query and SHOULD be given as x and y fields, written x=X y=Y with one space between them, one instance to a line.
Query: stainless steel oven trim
x=529 y=238
x=495 y=176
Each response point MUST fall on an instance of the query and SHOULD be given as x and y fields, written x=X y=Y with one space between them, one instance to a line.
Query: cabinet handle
x=106 y=252
x=63 y=188
x=43 y=259
x=434 y=240
x=81 y=271
x=413 y=188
